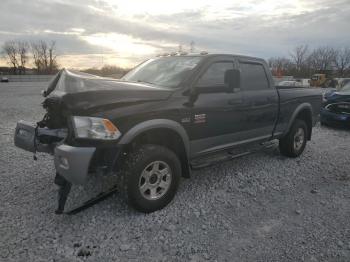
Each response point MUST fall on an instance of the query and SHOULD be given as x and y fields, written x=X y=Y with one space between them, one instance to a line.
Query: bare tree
x=322 y=58
x=36 y=52
x=279 y=65
x=11 y=52
x=342 y=60
x=44 y=56
x=299 y=56
x=304 y=62
x=192 y=47
x=52 y=57
x=22 y=49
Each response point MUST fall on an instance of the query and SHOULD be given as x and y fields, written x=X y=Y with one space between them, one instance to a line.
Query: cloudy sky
x=95 y=32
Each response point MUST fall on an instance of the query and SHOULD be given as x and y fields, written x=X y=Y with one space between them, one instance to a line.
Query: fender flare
x=155 y=124
x=299 y=108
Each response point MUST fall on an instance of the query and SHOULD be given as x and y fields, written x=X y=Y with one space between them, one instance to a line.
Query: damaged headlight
x=95 y=128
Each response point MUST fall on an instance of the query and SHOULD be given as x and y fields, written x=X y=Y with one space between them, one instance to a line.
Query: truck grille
x=54 y=118
x=339 y=108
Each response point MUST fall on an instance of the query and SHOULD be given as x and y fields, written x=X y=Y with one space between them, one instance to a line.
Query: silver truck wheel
x=293 y=144
x=155 y=180
x=150 y=177
x=299 y=138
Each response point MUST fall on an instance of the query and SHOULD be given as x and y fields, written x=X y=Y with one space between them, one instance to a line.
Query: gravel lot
x=263 y=207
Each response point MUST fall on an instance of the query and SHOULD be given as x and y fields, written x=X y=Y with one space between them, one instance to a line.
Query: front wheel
x=293 y=144
x=151 y=177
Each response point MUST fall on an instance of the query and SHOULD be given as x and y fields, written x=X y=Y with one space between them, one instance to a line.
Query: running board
x=229 y=154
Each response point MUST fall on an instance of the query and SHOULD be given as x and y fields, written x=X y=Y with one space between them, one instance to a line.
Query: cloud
x=260 y=28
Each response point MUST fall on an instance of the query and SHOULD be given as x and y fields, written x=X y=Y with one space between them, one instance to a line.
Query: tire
x=293 y=144
x=150 y=177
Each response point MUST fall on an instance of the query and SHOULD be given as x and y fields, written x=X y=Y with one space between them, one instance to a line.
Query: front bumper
x=70 y=162
x=328 y=117
x=73 y=162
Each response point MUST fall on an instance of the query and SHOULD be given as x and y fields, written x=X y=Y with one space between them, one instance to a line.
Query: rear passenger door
x=260 y=100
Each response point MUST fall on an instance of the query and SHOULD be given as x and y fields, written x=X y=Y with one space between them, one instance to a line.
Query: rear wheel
x=293 y=144
x=150 y=177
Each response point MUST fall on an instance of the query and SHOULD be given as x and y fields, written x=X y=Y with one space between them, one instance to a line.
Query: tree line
x=108 y=71
x=20 y=53
x=303 y=62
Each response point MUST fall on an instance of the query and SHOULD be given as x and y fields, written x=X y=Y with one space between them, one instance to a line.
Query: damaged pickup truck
x=167 y=116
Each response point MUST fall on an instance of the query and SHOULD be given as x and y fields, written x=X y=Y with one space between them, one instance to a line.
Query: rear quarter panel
x=290 y=100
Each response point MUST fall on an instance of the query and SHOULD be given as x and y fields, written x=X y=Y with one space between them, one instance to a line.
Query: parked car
x=164 y=118
x=336 y=107
x=342 y=82
x=290 y=83
x=4 y=80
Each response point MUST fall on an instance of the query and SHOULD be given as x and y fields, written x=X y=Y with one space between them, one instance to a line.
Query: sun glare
x=120 y=43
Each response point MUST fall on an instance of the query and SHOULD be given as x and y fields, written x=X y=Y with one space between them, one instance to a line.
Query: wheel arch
x=304 y=112
x=163 y=132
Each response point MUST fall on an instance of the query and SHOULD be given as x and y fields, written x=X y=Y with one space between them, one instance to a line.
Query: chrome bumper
x=73 y=162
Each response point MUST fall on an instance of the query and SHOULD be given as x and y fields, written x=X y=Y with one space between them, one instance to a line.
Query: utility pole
x=192 y=47
x=101 y=54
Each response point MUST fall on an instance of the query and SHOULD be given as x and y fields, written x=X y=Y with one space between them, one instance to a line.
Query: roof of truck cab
x=215 y=55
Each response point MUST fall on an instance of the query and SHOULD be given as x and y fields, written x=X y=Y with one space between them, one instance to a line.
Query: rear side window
x=253 y=77
x=215 y=74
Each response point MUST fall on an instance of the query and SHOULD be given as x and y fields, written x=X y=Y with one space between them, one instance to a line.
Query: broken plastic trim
x=27 y=137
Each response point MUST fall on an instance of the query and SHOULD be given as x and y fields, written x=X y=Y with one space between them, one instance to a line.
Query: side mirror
x=43 y=93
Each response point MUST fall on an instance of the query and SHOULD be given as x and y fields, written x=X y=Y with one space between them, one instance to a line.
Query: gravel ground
x=263 y=207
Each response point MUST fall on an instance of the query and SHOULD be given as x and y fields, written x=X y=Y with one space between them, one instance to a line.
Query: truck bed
x=293 y=97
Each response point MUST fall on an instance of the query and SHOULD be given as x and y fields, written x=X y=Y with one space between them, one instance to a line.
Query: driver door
x=217 y=116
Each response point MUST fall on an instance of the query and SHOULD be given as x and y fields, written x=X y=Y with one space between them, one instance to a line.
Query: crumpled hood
x=334 y=96
x=79 y=91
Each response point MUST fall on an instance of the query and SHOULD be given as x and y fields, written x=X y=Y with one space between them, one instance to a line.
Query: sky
x=93 y=33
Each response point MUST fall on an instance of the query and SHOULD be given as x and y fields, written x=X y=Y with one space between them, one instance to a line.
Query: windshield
x=345 y=88
x=164 y=71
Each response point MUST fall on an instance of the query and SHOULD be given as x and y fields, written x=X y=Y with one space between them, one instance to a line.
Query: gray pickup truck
x=167 y=116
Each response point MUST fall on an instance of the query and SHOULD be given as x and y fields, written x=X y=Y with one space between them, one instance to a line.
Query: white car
x=290 y=83
x=4 y=79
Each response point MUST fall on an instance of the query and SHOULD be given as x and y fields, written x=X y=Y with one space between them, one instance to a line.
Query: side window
x=215 y=74
x=253 y=77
